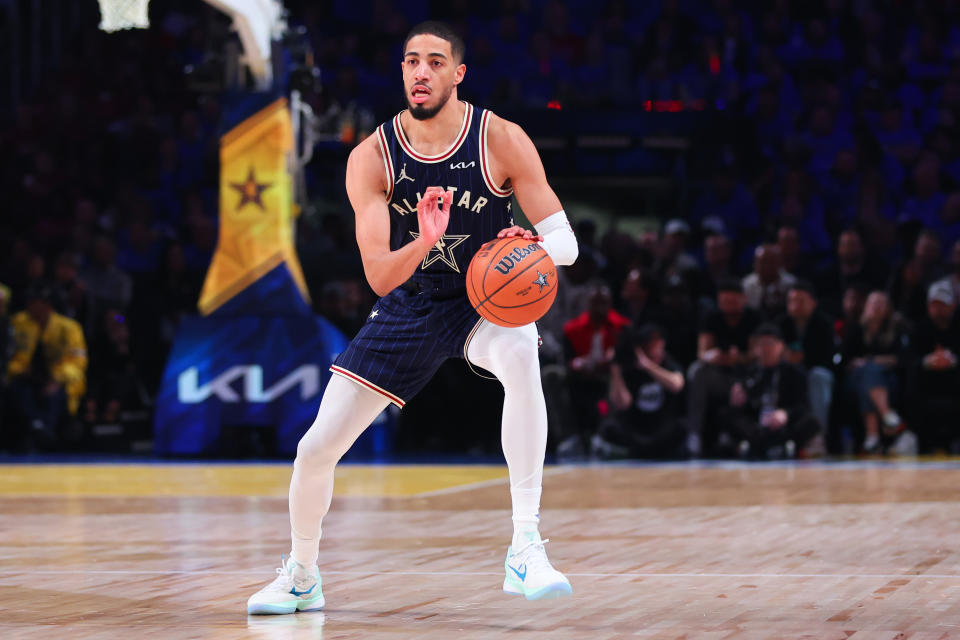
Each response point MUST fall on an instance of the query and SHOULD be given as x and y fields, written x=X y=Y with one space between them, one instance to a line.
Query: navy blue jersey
x=480 y=208
x=412 y=330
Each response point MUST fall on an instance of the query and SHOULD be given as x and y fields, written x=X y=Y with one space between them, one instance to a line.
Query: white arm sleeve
x=558 y=238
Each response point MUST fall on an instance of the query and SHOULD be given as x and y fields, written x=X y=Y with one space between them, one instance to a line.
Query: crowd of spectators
x=802 y=300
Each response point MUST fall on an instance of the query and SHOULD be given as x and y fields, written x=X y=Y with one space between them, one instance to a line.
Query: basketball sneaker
x=296 y=588
x=530 y=574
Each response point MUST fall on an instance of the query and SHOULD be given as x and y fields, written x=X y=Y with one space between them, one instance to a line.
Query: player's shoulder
x=367 y=150
x=509 y=146
x=365 y=162
x=501 y=131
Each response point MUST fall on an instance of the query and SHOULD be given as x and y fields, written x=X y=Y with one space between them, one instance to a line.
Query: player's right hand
x=431 y=217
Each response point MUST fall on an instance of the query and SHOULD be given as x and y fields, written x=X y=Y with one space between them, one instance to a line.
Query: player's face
x=429 y=75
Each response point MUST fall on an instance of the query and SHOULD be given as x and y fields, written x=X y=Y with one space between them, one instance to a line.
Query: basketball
x=511 y=281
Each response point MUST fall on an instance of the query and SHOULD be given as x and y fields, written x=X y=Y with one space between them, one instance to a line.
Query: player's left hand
x=519 y=232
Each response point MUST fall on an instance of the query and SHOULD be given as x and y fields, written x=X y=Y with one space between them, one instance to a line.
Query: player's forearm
x=387 y=270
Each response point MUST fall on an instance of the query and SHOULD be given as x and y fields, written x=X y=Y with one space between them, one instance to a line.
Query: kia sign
x=307 y=378
x=258 y=371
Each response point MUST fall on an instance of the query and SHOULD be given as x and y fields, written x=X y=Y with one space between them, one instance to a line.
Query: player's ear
x=459 y=73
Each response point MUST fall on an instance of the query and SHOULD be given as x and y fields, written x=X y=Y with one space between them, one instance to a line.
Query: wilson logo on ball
x=515 y=257
x=511 y=282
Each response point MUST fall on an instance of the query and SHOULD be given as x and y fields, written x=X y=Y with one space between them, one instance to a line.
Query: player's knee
x=517 y=362
x=315 y=452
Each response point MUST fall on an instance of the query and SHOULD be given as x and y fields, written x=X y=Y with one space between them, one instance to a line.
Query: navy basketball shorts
x=406 y=338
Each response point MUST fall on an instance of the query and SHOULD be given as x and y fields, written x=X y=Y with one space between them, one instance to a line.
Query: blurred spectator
x=872 y=352
x=808 y=336
x=47 y=371
x=115 y=382
x=908 y=286
x=801 y=207
x=769 y=412
x=854 y=264
x=645 y=387
x=636 y=296
x=723 y=349
x=925 y=203
x=717 y=256
x=678 y=318
x=590 y=341
x=674 y=260
x=69 y=292
x=788 y=243
x=954 y=278
x=766 y=288
x=141 y=253
x=934 y=373
x=107 y=284
x=854 y=299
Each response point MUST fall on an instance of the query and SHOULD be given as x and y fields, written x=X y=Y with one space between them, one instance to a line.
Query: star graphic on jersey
x=509 y=204
x=541 y=280
x=443 y=250
x=374 y=314
x=251 y=190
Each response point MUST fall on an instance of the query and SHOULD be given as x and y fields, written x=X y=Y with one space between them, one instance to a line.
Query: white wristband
x=558 y=238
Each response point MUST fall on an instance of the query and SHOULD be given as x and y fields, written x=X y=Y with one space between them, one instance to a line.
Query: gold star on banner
x=251 y=190
x=444 y=250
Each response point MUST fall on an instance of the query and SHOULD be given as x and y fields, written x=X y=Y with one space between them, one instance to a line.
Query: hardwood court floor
x=859 y=550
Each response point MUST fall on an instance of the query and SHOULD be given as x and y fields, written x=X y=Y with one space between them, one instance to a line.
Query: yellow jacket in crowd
x=63 y=346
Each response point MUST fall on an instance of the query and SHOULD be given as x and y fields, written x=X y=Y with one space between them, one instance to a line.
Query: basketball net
x=123 y=14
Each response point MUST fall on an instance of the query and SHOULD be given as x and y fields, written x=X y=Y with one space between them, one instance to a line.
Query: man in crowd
x=934 y=375
x=854 y=265
x=590 y=339
x=766 y=288
x=47 y=371
x=769 y=413
x=808 y=335
x=645 y=386
x=723 y=350
x=717 y=256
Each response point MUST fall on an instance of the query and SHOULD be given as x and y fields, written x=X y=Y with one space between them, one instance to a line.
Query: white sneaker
x=530 y=574
x=892 y=423
x=296 y=588
x=906 y=444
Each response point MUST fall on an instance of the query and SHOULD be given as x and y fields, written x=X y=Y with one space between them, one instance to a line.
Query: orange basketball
x=511 y=281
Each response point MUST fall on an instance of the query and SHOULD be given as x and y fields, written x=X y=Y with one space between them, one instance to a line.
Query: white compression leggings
x=347 y=408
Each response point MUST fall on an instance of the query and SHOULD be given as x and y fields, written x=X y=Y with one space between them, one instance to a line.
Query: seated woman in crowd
x=872 y=352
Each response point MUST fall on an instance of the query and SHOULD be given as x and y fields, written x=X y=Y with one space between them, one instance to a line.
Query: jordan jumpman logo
x=403 y=175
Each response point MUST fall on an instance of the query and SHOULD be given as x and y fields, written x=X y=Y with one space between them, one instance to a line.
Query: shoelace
x=534 y=555
x=285 y=580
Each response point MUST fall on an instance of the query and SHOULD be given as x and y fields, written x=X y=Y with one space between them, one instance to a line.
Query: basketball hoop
x=123 y=14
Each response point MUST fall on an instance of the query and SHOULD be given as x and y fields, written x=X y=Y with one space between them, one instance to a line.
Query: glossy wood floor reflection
x=850 y=550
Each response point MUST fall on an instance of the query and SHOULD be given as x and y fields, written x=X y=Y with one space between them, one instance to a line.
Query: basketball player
x=428 y=189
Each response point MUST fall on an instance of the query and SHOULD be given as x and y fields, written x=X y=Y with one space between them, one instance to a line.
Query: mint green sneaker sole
x=312 y=604
x=555 y=590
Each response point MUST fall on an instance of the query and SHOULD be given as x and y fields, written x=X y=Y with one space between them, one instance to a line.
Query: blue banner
x=265 y=371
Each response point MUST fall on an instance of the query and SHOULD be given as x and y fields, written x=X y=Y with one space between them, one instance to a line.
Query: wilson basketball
x=511 y=282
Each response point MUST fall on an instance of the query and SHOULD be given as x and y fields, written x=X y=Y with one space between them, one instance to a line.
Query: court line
x=199 y=572
x=481 y=484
